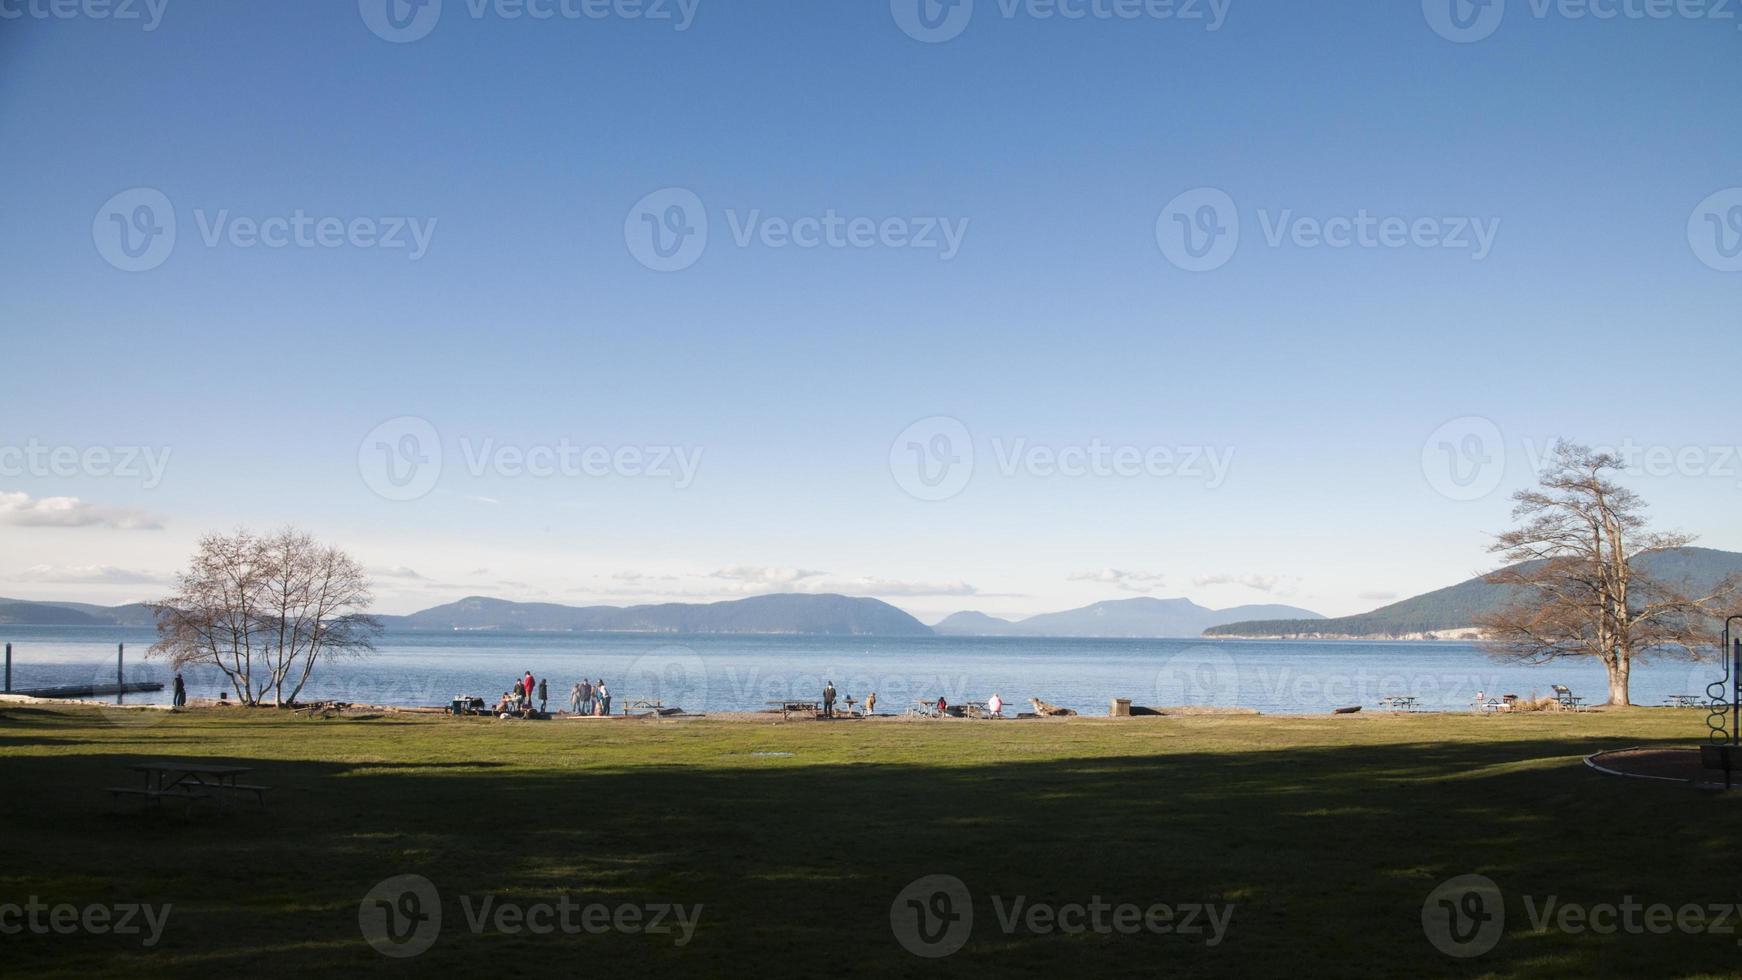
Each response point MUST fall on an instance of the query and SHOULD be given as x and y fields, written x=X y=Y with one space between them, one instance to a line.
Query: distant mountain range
x=1142 y=617
x=816 y=615
x=26 y=612
x=1446 y=613
x=1452 y=612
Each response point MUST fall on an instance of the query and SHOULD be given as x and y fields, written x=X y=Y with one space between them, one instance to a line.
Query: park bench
x=155 y=797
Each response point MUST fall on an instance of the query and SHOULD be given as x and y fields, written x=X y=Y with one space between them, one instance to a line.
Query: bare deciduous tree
x=1582 y=592
x=266 y=611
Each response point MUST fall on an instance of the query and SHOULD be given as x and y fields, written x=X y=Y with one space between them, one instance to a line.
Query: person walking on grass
x=180 y=699
x=543 y=695
x=828 y=699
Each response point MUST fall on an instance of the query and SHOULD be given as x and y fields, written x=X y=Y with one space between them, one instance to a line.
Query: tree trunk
x=1618 y=668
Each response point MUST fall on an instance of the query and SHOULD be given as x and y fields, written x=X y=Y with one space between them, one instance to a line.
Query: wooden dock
x=91 y=690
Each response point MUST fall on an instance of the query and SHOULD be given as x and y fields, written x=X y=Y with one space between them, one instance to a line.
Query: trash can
x=1121 y=708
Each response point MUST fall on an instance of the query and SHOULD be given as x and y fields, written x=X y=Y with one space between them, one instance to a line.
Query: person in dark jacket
x=828 y=699
x=543 y=694
x=181 y=692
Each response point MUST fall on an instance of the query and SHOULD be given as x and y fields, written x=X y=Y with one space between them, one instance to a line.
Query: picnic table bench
x=787 y=707
x=189 y=781
x=1682 y=700
x=1399 y=702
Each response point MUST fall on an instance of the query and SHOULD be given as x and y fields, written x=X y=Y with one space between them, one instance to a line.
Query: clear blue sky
x=1059 y=321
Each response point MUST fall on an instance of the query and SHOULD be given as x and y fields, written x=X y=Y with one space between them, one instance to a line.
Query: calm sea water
x=707 y=673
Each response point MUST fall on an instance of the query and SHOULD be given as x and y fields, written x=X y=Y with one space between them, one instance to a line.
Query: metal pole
x=1736 y=696
x=120 y=677
x=8 y=668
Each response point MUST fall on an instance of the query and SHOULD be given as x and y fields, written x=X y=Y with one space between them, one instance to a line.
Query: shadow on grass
x=1326 y=854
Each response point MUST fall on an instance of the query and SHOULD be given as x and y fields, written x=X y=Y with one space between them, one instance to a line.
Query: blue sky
x=1599 y=155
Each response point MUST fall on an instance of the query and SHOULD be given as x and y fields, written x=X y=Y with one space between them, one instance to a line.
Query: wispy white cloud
x=893 y=588
x=1125 y=579
x=20 y=510
x=399 y=572
x=1276 y=585
x=760 y=575
x=89 y=575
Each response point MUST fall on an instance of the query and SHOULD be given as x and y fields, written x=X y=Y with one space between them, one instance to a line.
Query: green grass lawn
x=1325 y=834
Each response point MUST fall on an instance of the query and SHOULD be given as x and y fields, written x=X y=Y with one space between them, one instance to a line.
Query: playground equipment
x=1724 y=741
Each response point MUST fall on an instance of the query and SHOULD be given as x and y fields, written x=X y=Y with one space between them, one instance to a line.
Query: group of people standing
x=528 y=696
x=589 y=699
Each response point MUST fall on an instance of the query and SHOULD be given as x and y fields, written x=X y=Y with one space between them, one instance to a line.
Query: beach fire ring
x=1669 y=764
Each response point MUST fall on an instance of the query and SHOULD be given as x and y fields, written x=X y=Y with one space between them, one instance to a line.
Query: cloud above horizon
x=18 y=509
x=89 y=575
x=1275 y=585
x=1124 y=579
x=763 y=575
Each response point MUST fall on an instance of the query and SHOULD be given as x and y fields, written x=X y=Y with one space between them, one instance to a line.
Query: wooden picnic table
x=188 y=781
x=787 y=707
x=1398 y=702
x=1682 y=700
